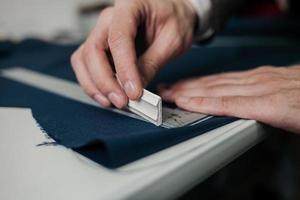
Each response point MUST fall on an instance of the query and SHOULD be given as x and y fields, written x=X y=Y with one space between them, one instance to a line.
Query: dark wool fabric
x=109 y=138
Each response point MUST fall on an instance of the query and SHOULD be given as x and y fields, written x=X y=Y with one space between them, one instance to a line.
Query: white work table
x=29 y=171
x=32 y=172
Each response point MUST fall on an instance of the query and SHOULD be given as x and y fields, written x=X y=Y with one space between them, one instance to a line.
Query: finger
x=256 y=108
x=98 y=64
x=102 y=75
x=232 y=76
x=166 y=90
x=122 y=46
x=168 y=44
x=85 y=81
x=218 y=91
x=250 y=77
x=195 y=84
x=242 y=77
x=209 y=81
x=165 y=94
x=239 y=77
x=296 y=67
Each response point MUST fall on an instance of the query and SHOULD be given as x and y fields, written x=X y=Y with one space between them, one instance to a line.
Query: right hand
x=166 y=30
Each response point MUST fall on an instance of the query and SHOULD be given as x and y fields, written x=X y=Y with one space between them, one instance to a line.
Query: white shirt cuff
x=203 y=9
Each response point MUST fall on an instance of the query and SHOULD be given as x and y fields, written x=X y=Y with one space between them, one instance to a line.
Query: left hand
x=267 y=94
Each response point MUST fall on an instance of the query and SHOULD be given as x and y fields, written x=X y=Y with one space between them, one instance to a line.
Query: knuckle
x=92 y=47
x=87 y=88
x=122 y=70
x=151 y=64
x=132 y=5
x=224 y=105
x=74 y=59
x=122 y=2
x=197 y=101
x=115 y=39
x=104 y=85
x=273 y=102
x=263 y=77
x=105 y=12
x=86 y=51
x=129 y=5
x=90 y=92
x=211 y=90
x=89 y=50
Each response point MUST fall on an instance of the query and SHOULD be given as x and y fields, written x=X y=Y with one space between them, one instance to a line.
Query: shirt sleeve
x=212 y=15
x=203 y=9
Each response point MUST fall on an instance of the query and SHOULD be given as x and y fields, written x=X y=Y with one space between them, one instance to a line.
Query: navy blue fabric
x=109 y=138
x=268 y=26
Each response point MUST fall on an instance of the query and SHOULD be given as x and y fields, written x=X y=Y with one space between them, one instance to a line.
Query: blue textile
x=111 y=139
x=106 y=137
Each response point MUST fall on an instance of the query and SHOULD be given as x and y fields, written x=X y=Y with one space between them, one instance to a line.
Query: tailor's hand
x=166 y=30
x=267 y=94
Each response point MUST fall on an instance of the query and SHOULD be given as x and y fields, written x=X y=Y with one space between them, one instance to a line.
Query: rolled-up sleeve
x=212 y=15
x=203 y=9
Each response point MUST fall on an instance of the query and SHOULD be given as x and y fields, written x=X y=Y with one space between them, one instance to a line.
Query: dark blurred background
x=270 y=170
x=59 y=21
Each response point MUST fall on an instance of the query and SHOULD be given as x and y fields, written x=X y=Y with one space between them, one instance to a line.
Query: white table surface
x=32 y=172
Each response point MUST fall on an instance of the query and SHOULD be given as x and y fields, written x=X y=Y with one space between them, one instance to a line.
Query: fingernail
x=183 y=100
x=102 y=100
x=116 y=99
x=131 y=89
